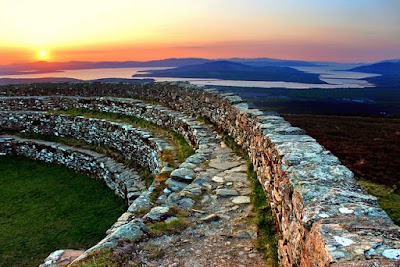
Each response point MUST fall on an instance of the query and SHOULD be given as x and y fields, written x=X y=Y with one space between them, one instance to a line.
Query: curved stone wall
x=132 y=143
x=189 y=128
x=125 y=182
x=17 y=114
x=324 y=217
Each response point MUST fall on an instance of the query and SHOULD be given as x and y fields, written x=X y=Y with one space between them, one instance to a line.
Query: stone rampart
x=185 y=126
x=132 y=143
x=324 y=217
x=125 y=182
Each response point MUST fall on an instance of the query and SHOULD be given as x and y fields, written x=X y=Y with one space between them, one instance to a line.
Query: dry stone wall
x=132 y=143
x=324 y=217
x=185 y=126
x=27 y=114
x=125 y=182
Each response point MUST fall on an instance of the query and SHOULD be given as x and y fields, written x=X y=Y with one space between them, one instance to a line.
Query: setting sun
x=122 y=30
x=43 y=55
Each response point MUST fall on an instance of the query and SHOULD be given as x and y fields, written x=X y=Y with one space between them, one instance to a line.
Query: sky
x=121 y=30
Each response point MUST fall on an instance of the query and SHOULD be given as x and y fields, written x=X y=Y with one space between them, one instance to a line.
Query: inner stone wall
x=161 y=116
x=324 y=217
x=132 y=143
x=125 y=182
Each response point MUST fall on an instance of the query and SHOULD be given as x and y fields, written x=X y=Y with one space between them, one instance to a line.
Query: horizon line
x=177 y=58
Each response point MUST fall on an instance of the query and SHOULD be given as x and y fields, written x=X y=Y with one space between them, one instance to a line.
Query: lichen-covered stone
x=156 y=214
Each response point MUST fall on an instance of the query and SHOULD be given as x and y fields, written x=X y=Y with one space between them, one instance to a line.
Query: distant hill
x=227 y=70
x=390 y=73
x=390 y=60
x=380 y=68
x=262 y=62
x=122 y=80
x=48 y=67
x=70 y=80
x=36 y=80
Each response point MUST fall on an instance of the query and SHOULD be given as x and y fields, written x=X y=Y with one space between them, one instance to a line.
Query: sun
x=43 y=55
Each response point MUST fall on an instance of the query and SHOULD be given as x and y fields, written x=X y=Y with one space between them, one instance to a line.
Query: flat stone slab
x=236 y=177
x=156 y=214
x=175 y=185
x=241 y=200
x=182 y=175
x=241 y=168
x=218 y=179
x=61 y=257
x=210 y=218
x=223 y=165
x=226 y=192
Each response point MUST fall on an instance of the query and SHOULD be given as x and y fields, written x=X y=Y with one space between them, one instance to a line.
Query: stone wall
x=132 y=143
x=324 y=217
x=125 y=182
x=189 y=128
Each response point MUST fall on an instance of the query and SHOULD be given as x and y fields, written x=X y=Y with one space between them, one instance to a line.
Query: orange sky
x=119 y=30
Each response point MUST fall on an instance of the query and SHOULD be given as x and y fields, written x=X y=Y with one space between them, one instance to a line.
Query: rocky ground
x=220 y=230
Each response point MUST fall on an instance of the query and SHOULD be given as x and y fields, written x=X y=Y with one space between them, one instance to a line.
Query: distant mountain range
x=227 y=70
x=256 y=69
x=389 y=70
x=263 y=62
x=71 y=80
x=388 y=67
x=49 y=67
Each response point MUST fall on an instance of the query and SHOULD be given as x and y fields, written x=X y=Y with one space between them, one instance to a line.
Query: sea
x=331 y=74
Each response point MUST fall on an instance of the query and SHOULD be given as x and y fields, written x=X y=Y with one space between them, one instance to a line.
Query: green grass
x=45 y=207
x=159 y=185
x=99 y=258
x=387 y=198
x=168 y=228
x=106 y=257
x=182 y=149
x=125 y=254
x=173 y=227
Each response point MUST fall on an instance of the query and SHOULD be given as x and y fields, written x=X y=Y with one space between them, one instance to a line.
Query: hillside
x=380 y=68
x=71 y=80
x=226 y=70
x=261 y=62
x=390 y=73
x=46 y=67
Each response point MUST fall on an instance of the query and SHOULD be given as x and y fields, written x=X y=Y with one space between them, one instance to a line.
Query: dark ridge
x=390 y=73
x=380 y=68
x=4 y=81
x=227 y=70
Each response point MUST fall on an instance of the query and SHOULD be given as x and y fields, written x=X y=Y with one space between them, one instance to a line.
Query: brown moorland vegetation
x=369 y=147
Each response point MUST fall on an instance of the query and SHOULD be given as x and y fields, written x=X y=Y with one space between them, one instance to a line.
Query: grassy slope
x=45 y=207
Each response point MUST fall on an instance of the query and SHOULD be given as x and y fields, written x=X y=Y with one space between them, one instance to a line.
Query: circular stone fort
x=202 y=210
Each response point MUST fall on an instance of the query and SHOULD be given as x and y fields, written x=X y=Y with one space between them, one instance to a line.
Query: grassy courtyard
x=45 y=207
